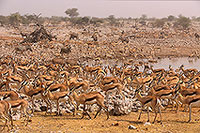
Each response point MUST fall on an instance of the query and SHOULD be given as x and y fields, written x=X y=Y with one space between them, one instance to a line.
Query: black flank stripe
x=194 y=100
x=108 y=83
x=190 y=94
x=54 y=89
x=112 y=88
x=90 y=99
x=63 y=96
x=6 y=96
x=78 y=86
x=16 y=105
x=36 y=93
x=148 y=101
x=166 y=94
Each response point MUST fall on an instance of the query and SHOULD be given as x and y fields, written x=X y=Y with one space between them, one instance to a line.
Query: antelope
x=5 y=113
x=109 y=80
x=33 y=92
x=56 y=97
x=106 y=80
x=188 y=72
x=188 y=92
x=108 y=87
x=46 y=77
x=157 y=70
x=13 y=79
x=25 y=68
x=24 y=106
x=61 y=87
x=91 y=70
x=13 y=95
x=191 y=101
x=73 y=36
x=164 y=94
x=149 y=101
x=197 y=36
x=84 y=84
x=85 y=98
x=4 y=83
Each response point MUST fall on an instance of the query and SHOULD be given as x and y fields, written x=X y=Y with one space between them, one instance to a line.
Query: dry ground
x=172 y=122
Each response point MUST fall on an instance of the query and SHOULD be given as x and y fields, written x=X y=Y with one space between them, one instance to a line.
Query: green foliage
x=4 y=20
x=80 y=20
x=198 y=18
x=72 y=12
x=111 y=17
x=15 y=19
x=143 y=22
x=159 y=23
x=112 y=20
x=56 y=19
x=171 y=18
x=143 y=17
x=183 y=22
x=96 y=20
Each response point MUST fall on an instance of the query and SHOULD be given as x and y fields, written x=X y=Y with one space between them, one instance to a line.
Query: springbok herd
x=23 y=82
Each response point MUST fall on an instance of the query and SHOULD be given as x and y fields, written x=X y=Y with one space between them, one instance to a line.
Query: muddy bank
x=108 y=46
x=84 y=51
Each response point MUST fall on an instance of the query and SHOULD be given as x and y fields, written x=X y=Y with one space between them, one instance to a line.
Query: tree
x=96 y=21
x=15 y=18
x=182 y=21
x=72 y=12
x=111 y=17
x=143 y=17
x=4 y=20
x=159 y=23
x=170 y=18
x=112 y=20
x=80 y=20
x=198 y=18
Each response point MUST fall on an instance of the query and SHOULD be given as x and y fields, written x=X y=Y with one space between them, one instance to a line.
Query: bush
x=159 y=23
x=171 y=18
x=183 y=22
x=96 y=20
x=80 y=20
x=15 y=19
x=3 y=20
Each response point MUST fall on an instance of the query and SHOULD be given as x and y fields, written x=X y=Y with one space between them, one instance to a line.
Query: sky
x=103 y=8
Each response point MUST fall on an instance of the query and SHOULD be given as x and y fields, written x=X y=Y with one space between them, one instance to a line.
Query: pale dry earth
x=147 y=48
x=172 y=123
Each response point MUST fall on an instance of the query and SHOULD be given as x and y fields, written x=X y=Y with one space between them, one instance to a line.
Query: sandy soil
x=172 y=123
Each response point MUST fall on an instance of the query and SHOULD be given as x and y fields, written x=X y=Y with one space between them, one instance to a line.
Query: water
x=161 y=63
x=177 y=62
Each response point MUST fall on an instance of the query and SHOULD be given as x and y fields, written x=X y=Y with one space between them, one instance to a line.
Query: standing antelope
x=5 y=113
x=13 y=95
x=24 y=107
x=191 y=101
x=108 y=87
x=85 y=98
x=149 y=101
x=56 y=96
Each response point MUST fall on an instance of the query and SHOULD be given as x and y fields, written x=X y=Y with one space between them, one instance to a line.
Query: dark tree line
x=16 y=19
